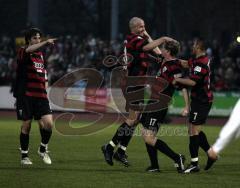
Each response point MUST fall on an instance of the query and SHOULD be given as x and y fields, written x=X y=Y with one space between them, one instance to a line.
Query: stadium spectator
x=91 y=51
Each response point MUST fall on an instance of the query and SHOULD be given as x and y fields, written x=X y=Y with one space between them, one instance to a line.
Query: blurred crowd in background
x=73 y=52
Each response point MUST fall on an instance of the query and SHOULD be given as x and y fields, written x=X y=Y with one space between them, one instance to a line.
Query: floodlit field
x=78 y=161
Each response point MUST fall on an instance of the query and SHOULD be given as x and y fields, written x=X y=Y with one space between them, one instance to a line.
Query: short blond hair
x=134 y=21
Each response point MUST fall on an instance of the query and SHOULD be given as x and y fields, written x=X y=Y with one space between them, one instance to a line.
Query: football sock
x=122 y=149
x=152 y=153
x=193 y=148
x=116 y=138
x=163 y=147
x=127 y=133
x=46 y=135
x=203 y=142
x=123 y=135
x=111 y=145
x=24 y=141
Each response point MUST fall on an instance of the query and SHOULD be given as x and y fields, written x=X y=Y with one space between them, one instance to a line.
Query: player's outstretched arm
x=156 y=50
x=155 y=43
x=34 y=47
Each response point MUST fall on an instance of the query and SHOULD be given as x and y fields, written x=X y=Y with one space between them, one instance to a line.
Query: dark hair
x=200 y=43
x=30 y=33
x=172 y=46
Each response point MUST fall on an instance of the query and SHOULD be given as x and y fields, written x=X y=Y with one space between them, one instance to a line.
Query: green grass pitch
x=78 y=162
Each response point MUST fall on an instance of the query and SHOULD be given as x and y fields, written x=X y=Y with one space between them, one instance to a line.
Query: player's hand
x=146 y=33
x=51 y=41
x=184 y=63
x=185 y=111
x=169 y=39
x=174 y=82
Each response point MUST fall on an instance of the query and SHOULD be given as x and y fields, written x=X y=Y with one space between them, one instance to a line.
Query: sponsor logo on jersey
x=38 y=65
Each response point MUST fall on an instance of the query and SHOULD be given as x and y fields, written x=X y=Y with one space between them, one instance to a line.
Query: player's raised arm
x=34 y=47
x=156 y=50
x=155 y=43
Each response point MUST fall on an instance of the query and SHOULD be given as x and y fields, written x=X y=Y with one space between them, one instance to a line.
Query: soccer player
x=201 y=101
x=139 y=45
x=31 y=96
x=171 y=68
x=230 y=131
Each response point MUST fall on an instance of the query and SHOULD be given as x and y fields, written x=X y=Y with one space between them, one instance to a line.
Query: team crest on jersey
x=197 y=69
x=164 y=69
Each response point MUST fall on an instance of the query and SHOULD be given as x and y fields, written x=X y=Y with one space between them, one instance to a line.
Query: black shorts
x=199 y=112
x=152 y=120
x=32 y=107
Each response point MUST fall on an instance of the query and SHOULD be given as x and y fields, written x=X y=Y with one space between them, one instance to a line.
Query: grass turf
x=78 y=161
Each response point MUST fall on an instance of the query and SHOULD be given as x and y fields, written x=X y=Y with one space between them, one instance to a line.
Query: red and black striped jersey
x=140 y=59
x=31 y=74
x=170 y=70
x=200 y=72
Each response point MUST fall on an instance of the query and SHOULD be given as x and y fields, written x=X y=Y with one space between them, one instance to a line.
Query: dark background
x=181 y=19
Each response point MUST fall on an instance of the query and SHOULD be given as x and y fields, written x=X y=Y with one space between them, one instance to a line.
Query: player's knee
x=48 y=125
x=148 y=138
x=26 y=126
x=194 y=130
x=46 y=122
x=149 y=141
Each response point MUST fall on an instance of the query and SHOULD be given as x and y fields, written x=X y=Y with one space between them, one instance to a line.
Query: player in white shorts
x=230 y=131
